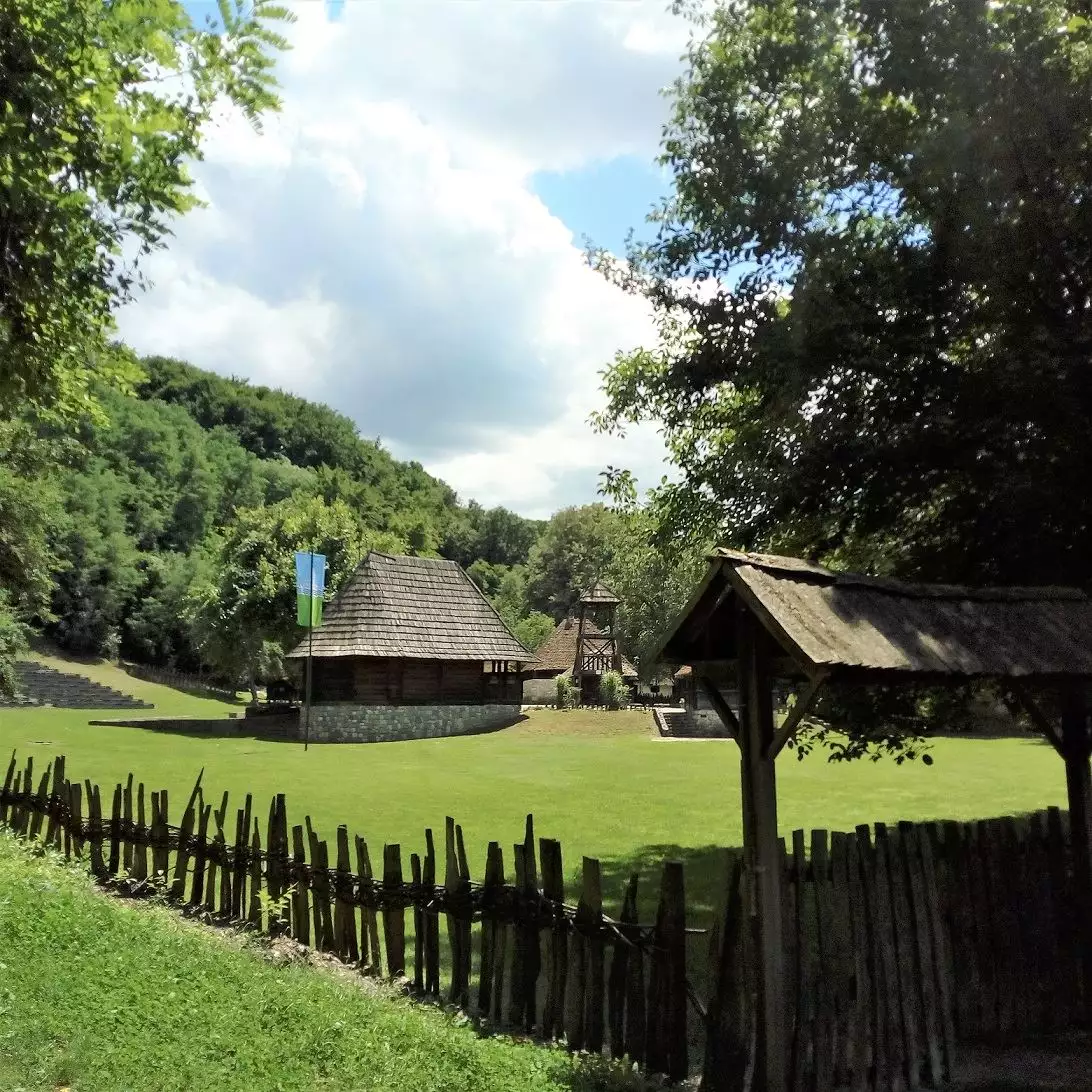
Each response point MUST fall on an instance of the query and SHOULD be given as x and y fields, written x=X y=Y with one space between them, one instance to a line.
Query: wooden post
x=578 y=663
x=761 y=851
x=1077 y=754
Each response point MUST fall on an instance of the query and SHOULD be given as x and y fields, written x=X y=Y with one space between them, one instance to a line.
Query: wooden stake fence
x=898 y=942
x=544 y=967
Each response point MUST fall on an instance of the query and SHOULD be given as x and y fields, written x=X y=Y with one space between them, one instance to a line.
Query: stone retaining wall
x=345 y=722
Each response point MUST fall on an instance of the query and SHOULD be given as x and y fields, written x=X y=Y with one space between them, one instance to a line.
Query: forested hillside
x=163 y=528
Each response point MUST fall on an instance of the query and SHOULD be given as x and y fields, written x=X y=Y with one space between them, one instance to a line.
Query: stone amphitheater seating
x=41 y=685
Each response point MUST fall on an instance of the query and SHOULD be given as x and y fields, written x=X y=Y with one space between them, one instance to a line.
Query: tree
x=533 y=629
x=104 y=107
x=243 y=612
x=30 y=509
x=873 y=284
x=573 y=551
x=13 y=644
x=652 y=580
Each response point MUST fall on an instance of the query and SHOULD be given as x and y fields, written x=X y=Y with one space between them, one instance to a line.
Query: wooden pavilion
x=411 y=647
x=756 y=618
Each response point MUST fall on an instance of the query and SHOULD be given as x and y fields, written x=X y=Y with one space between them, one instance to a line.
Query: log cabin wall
x=388 y=681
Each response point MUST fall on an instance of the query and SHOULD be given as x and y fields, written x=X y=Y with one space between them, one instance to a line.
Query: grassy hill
x=168 y=701
x=103 y=996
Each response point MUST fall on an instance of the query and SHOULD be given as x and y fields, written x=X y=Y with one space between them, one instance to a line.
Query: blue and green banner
x=310 y=587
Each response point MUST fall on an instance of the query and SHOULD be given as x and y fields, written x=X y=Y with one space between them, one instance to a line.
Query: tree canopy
x=104 y=107
x=873 y=284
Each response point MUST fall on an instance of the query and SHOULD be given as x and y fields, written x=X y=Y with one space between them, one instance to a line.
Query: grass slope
x=168 y=702
x=602 y=783
x=98 y=995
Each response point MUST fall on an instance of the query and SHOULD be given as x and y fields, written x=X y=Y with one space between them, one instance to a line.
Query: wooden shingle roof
x=557 y=653
x=847 y=622
x=599 y=593
x=412 y=608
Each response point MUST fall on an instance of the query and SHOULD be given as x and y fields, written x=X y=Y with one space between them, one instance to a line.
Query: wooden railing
x=181 y=680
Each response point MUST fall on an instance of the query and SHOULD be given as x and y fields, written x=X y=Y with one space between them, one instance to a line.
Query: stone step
x=41 y=685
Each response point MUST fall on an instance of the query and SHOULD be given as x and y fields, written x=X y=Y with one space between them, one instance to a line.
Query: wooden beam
x=722 y=708
x=698 y=623
x=1034 y=710
x=762 y=854
x=803 y=706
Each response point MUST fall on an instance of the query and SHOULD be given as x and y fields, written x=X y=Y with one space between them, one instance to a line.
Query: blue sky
x=405 y=240
x=603 y=201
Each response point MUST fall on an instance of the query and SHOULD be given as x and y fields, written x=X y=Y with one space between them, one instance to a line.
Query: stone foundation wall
x=346 y=722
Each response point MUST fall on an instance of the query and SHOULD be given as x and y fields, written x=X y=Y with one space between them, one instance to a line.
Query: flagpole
x=310 y=649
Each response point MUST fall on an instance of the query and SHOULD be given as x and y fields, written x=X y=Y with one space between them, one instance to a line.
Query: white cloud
x=378 y=246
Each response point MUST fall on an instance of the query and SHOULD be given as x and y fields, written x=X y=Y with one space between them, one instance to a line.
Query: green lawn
x=600 y=782
x=100 y=996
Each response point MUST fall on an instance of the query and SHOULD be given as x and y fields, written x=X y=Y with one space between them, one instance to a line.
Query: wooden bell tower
x=597 y=647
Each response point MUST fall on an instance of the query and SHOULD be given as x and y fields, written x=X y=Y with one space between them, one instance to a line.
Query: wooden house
x=410 y=648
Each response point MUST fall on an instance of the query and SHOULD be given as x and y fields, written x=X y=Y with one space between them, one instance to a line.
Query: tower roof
x=598 y=593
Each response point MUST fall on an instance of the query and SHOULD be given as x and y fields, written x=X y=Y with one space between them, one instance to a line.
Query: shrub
x=568 y=697
x=613 y=692
x=111 y=645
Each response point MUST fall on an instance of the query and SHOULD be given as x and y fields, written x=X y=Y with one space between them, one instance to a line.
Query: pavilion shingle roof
x=557 y=653
x=846 y=621
x=412 y=608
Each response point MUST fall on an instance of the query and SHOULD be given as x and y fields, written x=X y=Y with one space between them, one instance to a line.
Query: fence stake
x=464 y=920
x=113 y=863
x=591 y=901
x=98 y=863
x=75 y=818
x=240 y=900
x=501 y=951
x=369 y=922
x=226 y=859
x=418 y=926
x=826 y=1027
x=200 y=853
x=394 y=914
x=324 y=895
x=619 y=964
x=490 y=895
x=38 y=804
x=301 y=912
x=431 y=920
x=58 y=800
x=128 y=833
x=553 y=890
x=452 y=887
x=140 y=849
x=532 y=958
x=9 y=781
x=517 y=991
x=347 y=911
